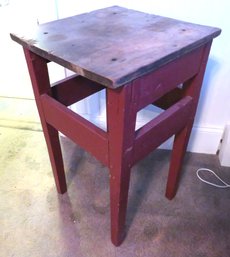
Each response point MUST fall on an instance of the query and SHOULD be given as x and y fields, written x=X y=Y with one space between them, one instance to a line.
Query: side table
x=139 y=59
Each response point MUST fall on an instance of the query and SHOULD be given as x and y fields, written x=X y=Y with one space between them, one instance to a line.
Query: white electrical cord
x=226 y=185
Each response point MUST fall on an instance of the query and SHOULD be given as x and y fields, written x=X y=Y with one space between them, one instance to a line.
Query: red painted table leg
x=40 y=81
x=191 y=88
x=121 y=119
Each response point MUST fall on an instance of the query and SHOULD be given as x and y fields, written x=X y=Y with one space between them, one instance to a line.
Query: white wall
x=14 y=77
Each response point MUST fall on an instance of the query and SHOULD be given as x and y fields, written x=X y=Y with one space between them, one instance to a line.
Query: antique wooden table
x=140 y=59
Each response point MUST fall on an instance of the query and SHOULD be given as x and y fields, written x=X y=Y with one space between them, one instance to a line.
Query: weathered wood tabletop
x=114 y=45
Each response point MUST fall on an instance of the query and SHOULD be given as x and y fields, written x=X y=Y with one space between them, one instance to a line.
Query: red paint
x=154 y=85
x=192 y=88
x=121 y=119
x=81 y=131
x=73 y=89
x=40 y=81
x=121 y=146
x=161 y=128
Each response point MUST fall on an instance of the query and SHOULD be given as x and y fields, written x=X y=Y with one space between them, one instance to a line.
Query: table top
x=114 y=45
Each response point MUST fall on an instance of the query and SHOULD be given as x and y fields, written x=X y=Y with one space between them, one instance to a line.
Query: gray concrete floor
x=36 y=221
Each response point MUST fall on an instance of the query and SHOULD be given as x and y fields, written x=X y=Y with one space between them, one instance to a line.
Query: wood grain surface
x=115 y=45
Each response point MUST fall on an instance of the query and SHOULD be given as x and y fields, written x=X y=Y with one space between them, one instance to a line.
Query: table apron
x=153 y=86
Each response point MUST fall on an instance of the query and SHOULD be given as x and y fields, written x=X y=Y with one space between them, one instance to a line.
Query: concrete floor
x=36 y=221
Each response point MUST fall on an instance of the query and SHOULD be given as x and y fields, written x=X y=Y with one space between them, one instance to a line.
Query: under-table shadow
x=72 y=155
x=152 y=167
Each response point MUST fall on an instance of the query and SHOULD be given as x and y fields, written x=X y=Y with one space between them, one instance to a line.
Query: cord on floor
x=225 y=185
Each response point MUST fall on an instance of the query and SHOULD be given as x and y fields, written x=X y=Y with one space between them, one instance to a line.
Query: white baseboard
x=205 y=140
x=202 y=140
x=224 y=153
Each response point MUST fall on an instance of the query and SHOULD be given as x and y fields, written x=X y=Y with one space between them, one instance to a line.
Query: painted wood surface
x=115 y=45
x=158 y=130
x=73 y=89
x=75 y=127
x=39 y=75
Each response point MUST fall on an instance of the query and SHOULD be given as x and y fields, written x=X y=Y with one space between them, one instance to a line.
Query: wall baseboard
x=224 y=153
x=203 y=140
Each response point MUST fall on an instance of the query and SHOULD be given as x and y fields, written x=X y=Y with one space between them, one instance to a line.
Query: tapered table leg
x=191 y=88
x=178 y=152
x=121 y=119
x=40 y=81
